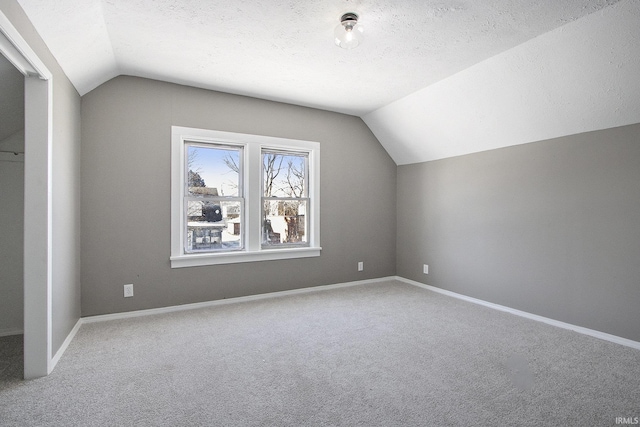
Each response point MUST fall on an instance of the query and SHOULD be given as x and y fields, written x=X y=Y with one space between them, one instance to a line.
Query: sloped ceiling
x=432 y=78
x=581 y=77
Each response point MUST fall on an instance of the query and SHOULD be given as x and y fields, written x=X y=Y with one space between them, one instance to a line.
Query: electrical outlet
x=425 y=269
x=128 y=291
x=360 y=266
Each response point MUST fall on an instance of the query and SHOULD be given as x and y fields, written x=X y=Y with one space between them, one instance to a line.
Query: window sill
x=194 y=260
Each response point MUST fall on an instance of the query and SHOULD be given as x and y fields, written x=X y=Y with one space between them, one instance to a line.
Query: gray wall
x=11 y=243
x=66 y=209
x=551 y=228
x=11 y=199
x=126 y=125
x=65 y=181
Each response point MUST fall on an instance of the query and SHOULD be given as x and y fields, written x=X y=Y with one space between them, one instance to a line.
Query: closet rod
x=15 y=153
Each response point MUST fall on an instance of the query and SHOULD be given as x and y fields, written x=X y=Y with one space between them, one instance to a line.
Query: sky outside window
x=214 y=165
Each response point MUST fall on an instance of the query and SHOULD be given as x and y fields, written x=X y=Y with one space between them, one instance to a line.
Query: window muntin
x=285 y=201
x=213 y=202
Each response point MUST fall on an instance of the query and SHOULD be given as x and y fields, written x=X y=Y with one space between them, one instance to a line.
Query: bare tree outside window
x=295 y=179
x=284 y=198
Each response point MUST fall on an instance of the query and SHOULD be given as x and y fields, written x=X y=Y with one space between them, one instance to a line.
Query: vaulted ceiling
x=432 y=79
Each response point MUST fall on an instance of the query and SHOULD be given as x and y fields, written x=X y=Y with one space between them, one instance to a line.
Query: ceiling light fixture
x=348 y=33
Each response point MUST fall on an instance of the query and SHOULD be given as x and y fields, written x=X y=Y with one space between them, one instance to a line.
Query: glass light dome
x=348 y=34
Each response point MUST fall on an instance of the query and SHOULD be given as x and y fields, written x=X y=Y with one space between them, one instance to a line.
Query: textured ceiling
x=283 y=49
x=581 y=77
x=432 y=79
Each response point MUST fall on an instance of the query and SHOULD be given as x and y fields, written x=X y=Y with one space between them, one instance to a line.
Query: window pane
x=284 y=174
x=284 y=222
x=213 y=171
x=213 y=225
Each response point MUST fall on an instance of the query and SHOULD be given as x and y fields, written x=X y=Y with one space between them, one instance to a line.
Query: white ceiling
x=415 y=53
x=581 y=77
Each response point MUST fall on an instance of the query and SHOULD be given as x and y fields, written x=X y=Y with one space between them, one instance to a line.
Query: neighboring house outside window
x=241 y=198
x=284 y=198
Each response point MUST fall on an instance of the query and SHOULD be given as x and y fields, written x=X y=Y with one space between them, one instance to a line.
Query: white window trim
x=252 y=176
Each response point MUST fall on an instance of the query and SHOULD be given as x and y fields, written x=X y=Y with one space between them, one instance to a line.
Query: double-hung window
x=241 y=198
x=285 y=198
x=213 y=198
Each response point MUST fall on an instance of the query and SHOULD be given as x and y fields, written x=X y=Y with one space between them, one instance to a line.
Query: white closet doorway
x=37 y=215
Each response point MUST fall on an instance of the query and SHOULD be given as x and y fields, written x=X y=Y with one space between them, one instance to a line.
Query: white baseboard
x=9 y=332
x=174 y=308
x=65 y=344
x=586 y=331
x=130 y=314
